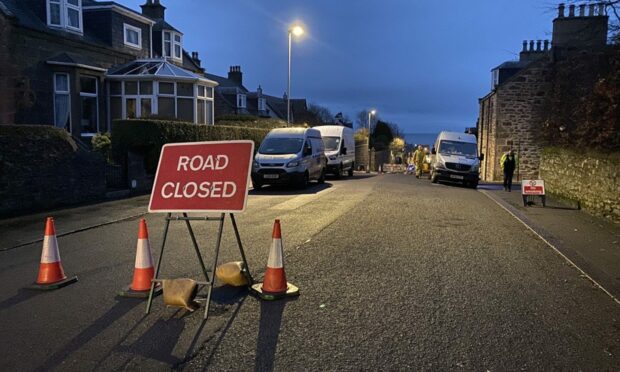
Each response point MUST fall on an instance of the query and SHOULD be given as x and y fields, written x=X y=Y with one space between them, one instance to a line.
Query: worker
x=508 y=163
x=418 y=159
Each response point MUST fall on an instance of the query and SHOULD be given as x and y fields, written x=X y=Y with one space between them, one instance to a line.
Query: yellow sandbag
x=231 y=273
x=180 y=293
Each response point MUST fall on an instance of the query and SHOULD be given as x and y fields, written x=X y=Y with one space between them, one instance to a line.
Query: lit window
x=173 y=45
x=62 y=103
x=133 y=36
x=65 y=14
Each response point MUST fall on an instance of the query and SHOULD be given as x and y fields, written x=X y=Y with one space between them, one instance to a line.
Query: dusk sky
x=421 y=64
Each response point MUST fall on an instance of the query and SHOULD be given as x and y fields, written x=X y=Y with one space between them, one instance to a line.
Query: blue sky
x=421 y=64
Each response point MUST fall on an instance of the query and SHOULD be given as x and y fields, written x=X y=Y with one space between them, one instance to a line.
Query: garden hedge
x=147 y=137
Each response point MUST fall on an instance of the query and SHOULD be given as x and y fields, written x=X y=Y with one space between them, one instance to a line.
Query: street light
x=297 y=31
x=370 y=113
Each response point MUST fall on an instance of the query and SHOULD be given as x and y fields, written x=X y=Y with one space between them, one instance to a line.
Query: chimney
x=601 y=9
x=546 y=45
x=561 y=11
x=153 y=9
x=524 y=46
x=196 y=59
x=538 y=45
x=582 y=10
x=571 y=10
x=592 y=11
x=531 y=45
x=235 y=75
x=259 y=91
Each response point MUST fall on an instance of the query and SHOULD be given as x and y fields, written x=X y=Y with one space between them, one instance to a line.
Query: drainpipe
x=151 y=40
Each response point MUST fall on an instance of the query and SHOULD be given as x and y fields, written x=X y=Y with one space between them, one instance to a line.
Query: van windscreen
x=281 y=146
x=457 y=148
x=331 y=143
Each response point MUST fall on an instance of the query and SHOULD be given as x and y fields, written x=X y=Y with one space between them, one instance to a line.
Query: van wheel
x=257 y=185
x=321 y=179
x=433 y=177
x=339 y=171
x=350 y=173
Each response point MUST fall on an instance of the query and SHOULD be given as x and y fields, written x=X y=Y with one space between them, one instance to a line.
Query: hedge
x=249 y=121
x=147 y=137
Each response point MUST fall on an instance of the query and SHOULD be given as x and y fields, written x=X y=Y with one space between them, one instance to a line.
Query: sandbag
x=180 y=293
x=231 y=273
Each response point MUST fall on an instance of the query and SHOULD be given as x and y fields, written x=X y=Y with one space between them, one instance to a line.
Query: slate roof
x=163 y=25
x=73 y=58
x=225 y=82
x=513 y=64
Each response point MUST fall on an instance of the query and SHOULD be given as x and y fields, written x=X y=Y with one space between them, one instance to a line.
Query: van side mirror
x=343 y=150
x=433 y=151
x=481 y=157
x=307 y=151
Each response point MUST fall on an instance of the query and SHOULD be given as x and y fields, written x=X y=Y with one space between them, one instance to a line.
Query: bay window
x=62 y=102
x=89 y=100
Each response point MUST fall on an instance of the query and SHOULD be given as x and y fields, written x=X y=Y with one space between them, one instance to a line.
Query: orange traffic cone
x=51 y=274
x=274 y=285
x=143 y=269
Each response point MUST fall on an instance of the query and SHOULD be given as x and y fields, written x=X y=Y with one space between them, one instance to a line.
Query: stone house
x=233 y=98
x=79 y=64
x=510 y=115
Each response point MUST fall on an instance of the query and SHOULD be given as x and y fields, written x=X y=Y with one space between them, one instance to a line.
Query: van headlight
x=255 y=164
x=293 y=164
x=475 y=168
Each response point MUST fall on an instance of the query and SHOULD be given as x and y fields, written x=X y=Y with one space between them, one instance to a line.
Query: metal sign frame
x=209 y=281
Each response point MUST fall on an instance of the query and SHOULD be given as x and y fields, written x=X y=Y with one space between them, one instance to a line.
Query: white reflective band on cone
x=275 y=255
x=144 y=259
x=50 y=252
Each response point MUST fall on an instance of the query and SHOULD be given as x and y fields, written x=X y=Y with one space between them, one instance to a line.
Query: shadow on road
x=268 y=333
x=22 y=295
x=159 y=341
x=313 y=188
x=98 y=326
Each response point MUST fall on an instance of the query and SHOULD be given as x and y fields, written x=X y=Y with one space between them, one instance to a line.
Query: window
x=204 y=106
x=173 y=45
x=133 y=36
x=65 y=14
x=89 y=123
x=62 y=103
x=262 y=105
x=241 y=101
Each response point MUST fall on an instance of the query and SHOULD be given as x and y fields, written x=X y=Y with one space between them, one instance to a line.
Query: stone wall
x=377 y=157
x=42 y=168
x=593 y=179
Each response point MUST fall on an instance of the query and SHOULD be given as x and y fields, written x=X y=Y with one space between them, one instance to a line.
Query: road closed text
x=204 y=189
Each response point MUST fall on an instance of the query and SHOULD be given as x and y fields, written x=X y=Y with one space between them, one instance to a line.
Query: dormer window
x=173 y=45
x=133 y=36
x=65 y=14
x=241 y=101
x=261 y=104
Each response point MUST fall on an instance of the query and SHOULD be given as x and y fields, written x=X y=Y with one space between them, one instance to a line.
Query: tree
x=381 y=136
x=397 y=145
x=321 y=115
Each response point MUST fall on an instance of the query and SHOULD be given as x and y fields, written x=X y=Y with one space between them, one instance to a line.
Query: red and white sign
x=202 y=177
x=533 y=187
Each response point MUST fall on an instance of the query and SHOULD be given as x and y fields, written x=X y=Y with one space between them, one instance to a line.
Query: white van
x=456 y=159
x=339 y=149
x=292 y=156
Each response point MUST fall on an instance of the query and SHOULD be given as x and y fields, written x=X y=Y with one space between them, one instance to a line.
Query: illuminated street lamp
x=297 y=31
x=370 y=113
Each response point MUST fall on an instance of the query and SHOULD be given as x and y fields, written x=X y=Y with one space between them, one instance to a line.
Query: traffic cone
x=51 y=274
x=144 y=271
x=274 y=285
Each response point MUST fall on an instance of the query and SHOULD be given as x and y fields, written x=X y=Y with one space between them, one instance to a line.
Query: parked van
x=339 y=149
x=456 y=159
x=292 y=156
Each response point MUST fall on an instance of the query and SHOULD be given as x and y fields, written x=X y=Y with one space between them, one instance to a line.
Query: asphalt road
x=394 y=273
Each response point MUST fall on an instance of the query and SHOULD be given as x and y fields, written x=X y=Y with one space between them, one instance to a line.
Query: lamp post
x=297 y=31
x=370 y=113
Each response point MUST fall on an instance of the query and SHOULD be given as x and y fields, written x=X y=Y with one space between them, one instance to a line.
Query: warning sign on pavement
x=533 y=187
x=202 y=177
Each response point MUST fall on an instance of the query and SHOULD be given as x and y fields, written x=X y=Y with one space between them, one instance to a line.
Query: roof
x=77 y=60
x=163 y=25
x=512 y=64
x=225 y=82
x=96 y=5
x=156 y=68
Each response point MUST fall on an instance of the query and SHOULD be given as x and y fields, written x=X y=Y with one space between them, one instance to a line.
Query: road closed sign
x=202 y=177
x=533 y=187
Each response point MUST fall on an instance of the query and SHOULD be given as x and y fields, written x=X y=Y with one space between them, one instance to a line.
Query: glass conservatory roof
x=154 y=69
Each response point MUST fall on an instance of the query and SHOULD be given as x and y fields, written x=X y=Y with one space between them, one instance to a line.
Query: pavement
x=592 y=244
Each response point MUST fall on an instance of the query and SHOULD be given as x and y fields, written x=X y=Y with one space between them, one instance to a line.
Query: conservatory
x=159 y=89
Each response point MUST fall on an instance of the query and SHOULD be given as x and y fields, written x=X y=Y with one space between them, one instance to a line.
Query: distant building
x=510 y=115
x=79 y=64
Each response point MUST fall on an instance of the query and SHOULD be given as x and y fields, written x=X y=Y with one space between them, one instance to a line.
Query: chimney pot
x=524 y=46
x=561 y=10
x=546 y=45
x=571 y=10
x=582 y=10
x=531 y=45
x=601 y=9
x=538 y=45
x=592 y=10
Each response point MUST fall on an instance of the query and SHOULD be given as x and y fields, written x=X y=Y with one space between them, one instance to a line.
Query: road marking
x=508 y=208
x=301 y=200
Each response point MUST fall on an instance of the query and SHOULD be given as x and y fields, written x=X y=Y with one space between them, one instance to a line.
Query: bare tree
x=322 y=114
